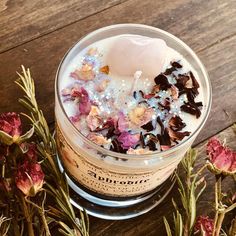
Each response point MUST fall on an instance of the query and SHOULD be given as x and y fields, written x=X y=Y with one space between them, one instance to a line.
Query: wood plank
x=24 y=20
x=151 y=224
x=198 y=23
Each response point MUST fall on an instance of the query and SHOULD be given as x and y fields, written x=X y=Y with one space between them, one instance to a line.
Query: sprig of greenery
x=56 y=184
x=189 y=191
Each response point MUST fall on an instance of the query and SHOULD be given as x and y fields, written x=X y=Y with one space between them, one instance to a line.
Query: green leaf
x=26 y=136
x=6 y=138
x=167 y=226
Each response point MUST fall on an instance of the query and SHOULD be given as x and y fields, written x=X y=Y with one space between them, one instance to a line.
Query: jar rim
x=154 y=154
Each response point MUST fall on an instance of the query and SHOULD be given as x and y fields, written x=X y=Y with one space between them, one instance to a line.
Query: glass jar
x=112 y=185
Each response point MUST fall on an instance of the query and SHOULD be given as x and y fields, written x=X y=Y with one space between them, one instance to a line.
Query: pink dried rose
x=85 y=73
x=98 y=139
x=123 y=122
x=29 y=178
x=204 y=225
x=94 y=120
x=141 y=115
x=222 y=160
x=80 y=95
x=30 y=151
x=10 y=123
x=128 y=140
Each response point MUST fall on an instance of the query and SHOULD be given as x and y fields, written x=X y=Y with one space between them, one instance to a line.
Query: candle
x=128 y=88
x=128 y=106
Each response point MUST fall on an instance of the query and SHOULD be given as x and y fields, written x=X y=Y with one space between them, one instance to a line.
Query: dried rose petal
x=139 y=151
x=205 y=224
x=174 y=92
x=29 y=178
x=85 y=73
x=98 y=139
x=141 y=115
x=123 y=122
x=29 y=150
x=156 y=88
x=176 y=123
x=10 y=123
x=94 y=120
x=221 y=158
x=102 y=85
x=128 y=140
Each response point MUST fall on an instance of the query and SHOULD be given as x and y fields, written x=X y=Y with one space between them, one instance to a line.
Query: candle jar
x=112 y=185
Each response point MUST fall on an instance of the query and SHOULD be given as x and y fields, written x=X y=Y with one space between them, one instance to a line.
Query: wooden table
x=38 y=33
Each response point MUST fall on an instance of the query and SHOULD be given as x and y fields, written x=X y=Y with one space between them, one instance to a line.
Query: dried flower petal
x=141 y=115
x=128 y=140
x=10 y=123
x=162 y=80
x=176 y=64
x=29 y=178
x=94 y=119
x=98 y=139
x=221 y=159
x=85 y=73
x=192 y=108
x=139 y=151
x=148 y=127
x=123 y=123
x=176 y=123
x=176 y=135
x=102 y=85
x=205 y=224
x=174 y=92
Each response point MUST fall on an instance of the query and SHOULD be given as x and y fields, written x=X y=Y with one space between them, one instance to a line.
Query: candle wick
x=137 y=75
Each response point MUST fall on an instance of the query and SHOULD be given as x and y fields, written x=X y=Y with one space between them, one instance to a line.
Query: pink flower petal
x=10 y=123
x=128 y=140
x=222 y=158
x=123 y=123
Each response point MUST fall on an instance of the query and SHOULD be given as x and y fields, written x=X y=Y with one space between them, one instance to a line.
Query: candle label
x=103 y=181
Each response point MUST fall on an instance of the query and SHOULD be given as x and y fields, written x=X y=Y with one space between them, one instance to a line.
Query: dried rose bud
x=29 y=178
x=29 y=150
x=128 y=140
x=204 y=225
x=10 y=123
x=222 y=160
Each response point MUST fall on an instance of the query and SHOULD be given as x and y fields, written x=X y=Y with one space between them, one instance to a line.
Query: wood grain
x=24 y=20
x=151 y=224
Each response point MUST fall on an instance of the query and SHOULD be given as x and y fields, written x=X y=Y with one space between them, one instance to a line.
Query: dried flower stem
x=27 y=216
